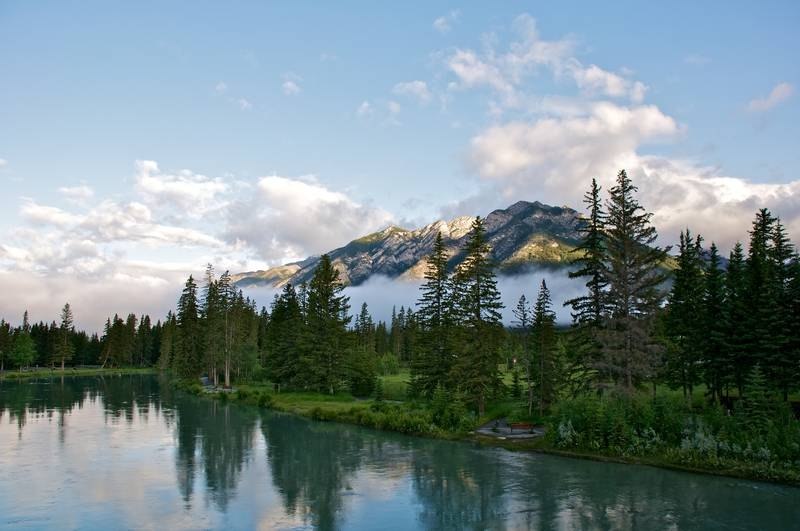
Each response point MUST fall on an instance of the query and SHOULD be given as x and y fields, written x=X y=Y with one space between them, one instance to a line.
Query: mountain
x=522 y=235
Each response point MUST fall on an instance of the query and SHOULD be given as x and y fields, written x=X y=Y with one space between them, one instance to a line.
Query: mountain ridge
x=523 y=235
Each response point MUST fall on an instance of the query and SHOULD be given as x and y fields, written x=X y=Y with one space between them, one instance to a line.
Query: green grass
x=46 y=372
x=395 y=386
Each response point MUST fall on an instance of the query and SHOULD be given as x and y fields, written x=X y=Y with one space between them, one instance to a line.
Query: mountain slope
x=521 y=235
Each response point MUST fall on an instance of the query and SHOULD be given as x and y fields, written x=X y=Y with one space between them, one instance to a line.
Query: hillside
x=522 y=235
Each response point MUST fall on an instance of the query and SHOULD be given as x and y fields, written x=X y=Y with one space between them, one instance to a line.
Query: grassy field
x=46 y=372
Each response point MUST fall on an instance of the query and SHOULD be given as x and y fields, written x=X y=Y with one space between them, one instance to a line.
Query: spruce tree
x=590 y=260
x=735 y=315
x=433 y=362
x=327 y=327
x=187 y=358
x=685 y=329
x=478 y=308
x=762 y=299
x=635 y=277
x=64 y=349
x=713 y=320
x=284 y=338
x=523 y=316
x=780 y=363
x=543 y=339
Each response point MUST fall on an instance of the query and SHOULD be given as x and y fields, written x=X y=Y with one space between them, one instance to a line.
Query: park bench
x=521 y=426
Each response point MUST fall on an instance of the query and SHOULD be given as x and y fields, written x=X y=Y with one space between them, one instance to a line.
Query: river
x=128 y=452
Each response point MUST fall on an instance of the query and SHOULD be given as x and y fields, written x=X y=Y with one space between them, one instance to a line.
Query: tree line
x=645 y=317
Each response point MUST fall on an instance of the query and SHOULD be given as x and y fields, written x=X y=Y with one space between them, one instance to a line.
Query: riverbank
x=418 y=420
x=47 y=372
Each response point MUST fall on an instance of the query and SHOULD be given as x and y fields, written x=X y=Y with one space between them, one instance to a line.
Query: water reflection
x=130 y=452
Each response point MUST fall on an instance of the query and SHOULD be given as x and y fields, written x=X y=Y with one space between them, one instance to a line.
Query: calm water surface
x=129 y=452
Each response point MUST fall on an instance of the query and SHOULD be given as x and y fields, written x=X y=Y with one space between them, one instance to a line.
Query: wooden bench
x=521 y=426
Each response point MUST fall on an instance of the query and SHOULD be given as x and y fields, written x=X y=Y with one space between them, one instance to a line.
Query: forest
x=689 y=356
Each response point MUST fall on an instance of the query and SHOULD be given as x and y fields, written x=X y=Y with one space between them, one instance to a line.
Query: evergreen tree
x=284 y=338
x=24 y=349
x=543 y=339
x=327 y=327
x=523 y=316
x=590 y=309
x=167 y=346
x=6 y=344
x=715 y=363
x=433 y=363
x=685 y=330
x=64 y=347
x=762 y=299
x=635 y=276
x=477 y=307
x=734 y=316
x=780 y=360
x=187 y=356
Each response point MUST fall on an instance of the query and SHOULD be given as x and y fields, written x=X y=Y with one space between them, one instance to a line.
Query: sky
x=140 y=141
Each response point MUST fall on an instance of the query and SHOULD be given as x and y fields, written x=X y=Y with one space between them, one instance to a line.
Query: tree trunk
x=227 y=372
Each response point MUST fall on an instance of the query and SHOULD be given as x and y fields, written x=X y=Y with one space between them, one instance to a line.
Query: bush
x=668 y=427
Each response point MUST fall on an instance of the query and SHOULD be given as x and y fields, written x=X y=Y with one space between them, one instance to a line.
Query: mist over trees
x=690 y=321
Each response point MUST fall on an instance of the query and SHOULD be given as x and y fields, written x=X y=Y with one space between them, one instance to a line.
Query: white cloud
x=221 y=87
x=3 y=163
x=555 y=149
x=417 y=89
x=290 y=88
x=780 y=93
x=365 y=109
x=445 y=23
x=77 y=194
x=553 y=159
x=293 y=217
x=244 y=104
x=192 y=195
x=507 y=72
x=394 y=107
x=135 y=252
x=291 y=83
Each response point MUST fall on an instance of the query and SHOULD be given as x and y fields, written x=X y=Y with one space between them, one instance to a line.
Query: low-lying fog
x=382 y=293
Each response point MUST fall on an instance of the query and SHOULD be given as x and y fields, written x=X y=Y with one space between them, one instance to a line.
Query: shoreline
x=348 y=412
x=71 y=372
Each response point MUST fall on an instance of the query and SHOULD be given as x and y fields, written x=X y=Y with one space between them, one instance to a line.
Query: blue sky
x=265 y=121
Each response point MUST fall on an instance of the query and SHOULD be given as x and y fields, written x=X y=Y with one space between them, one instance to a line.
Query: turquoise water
x=130 y=453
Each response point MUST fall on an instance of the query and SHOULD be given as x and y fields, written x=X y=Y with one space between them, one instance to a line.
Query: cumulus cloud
x=191 y=194
x=506 y=72
x=780 y=93
x=170 y=225
x=445 y=23
x=554 y=158
x=561 y=153
x=244 y=104
x=77 y=194
x=417 y=89
x=3 y=163
x=221 y=87
x=294 y=218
